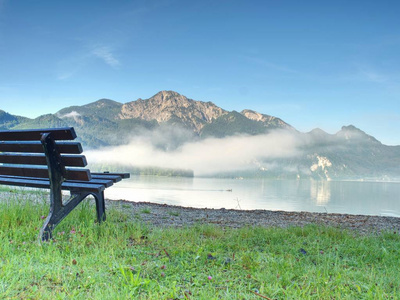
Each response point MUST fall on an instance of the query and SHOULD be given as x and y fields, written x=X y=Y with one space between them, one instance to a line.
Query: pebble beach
x=163 y=215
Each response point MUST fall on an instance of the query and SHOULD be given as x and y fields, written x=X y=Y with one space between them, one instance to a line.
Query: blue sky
x=312 y=63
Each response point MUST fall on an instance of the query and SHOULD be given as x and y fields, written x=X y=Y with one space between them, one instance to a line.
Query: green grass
x=123 y=259
x=145 y=211
x=173 y=213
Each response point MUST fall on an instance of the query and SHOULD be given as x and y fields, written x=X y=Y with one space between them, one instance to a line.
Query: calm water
x=352 y=197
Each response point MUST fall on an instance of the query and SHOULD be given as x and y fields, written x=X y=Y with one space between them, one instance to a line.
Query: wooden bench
x=50 y=159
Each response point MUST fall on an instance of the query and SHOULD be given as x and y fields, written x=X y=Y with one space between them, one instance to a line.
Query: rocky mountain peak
x=253 y=115
x=170 y=99
x=167 y=95
x=169 y=106
x=269 y=121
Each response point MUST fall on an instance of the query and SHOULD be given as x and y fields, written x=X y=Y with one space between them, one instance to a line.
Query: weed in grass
x=174 y=213
x=145 y=211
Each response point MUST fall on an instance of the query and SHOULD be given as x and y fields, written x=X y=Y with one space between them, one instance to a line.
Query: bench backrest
x=23 y=153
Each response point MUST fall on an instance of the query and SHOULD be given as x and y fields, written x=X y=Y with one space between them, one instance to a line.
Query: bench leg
x=56 y=207
x=46 y=230
x=100 y=206
x=59 y=212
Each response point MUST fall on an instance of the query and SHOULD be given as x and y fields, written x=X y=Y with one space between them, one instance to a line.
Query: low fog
x=179 y=149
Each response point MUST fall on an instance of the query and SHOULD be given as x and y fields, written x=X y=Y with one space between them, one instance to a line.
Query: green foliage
x=8 y=121
x=123 y=259
x=44 y=121
x=103 y=108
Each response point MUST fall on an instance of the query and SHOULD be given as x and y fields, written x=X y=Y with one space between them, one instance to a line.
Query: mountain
x=233 y=123
x=170 y=108
x=8 y=121
x=103 y=108
x=118 y=122
x=169 y=121
x=173 y=108
x=350 y=153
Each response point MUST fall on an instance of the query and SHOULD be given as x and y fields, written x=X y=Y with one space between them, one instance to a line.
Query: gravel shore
x=162 y=215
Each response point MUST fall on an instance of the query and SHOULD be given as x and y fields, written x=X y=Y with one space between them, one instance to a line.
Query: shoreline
x=164 y=215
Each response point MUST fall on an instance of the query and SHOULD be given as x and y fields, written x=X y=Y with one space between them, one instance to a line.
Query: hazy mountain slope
x=103 y=108
x=96 y=131
x=232 y=123
x=350 y=153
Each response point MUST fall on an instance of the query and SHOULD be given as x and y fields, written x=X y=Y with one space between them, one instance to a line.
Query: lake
x=351 y=197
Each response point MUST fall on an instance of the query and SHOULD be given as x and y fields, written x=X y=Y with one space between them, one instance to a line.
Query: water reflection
x=320 y=192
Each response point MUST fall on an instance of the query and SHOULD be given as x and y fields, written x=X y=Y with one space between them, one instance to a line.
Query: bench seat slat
x=42 y=183
x=114 y=178
x=106 y=182
x=36 y=147
x=66 y=133
x=122 y=175
x=40 y=159
x=72 y=174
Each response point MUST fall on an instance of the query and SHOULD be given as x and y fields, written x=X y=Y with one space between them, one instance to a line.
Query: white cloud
x=107 y=56
x=70 y=66
x=72 y=114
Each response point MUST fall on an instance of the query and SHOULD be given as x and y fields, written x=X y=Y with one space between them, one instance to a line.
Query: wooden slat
x=72 y=186
x=122 y=175
x=36 y=147
x=66 y=133
x=23 y=159
x=24 y=172
x=114 y=178
x=72 y=174
x=105 y=182
x=78 y=174
x=40 y=159
x=69 y=147
x=40 y=183
x=74 y=160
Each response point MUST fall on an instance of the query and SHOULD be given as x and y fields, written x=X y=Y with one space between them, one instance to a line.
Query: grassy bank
x=123 y=259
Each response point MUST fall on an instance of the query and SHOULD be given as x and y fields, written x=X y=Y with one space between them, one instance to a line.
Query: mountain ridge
x=173 y=120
